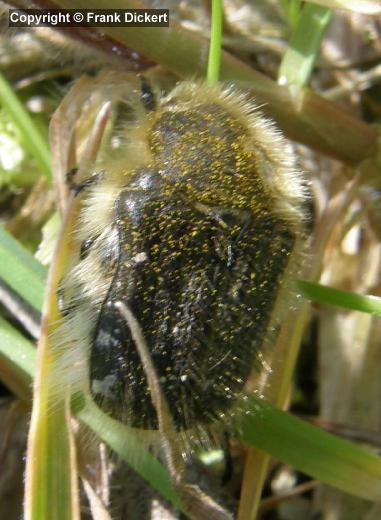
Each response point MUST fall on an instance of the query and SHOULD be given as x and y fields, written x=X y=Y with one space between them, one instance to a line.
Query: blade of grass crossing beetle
x=51 y=490
x=344 y=299
x=317 y=453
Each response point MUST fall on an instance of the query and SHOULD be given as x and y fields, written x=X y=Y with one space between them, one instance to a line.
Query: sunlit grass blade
x=50 y=500
x=21 y=271
x=33 y=140
x=51 y=478
x=50 y=470
x=51 y=487
x=345 y=299
x=313 y=451
x=214 y=61
x=304 y=46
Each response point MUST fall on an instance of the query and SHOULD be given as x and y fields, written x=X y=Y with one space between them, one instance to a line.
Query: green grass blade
x=214 y=61
x=126 y=443
x=319 y=454
x=304 y=46
x=49 y=492
x=292 y=10
x=308 y=449
x=21 y=271
x=345 y=299
x=34 y=142
x=51 y=481
x=17 y=361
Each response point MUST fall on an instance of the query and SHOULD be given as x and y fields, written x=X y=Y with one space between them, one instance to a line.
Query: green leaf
x=214 y=61
x=21 y=271
x=126 y=442
x=339 y=298
x=17 y=361
x=304 y=46
x=292 y=9
x=319 y=454
x=315 y=452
